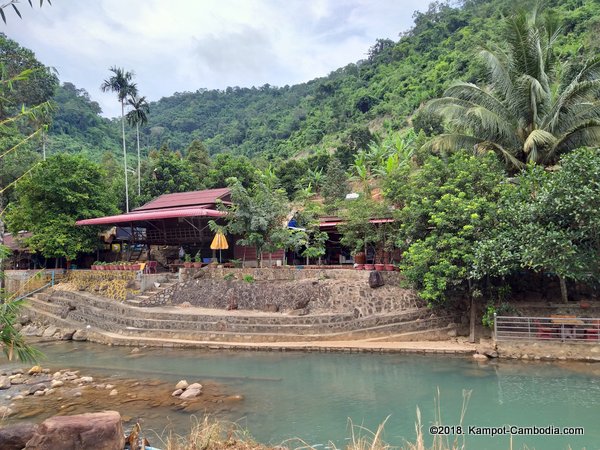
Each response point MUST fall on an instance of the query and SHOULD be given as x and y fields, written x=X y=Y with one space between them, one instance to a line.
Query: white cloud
x=184 y=45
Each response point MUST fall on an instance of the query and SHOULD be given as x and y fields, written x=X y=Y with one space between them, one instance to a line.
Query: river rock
x=480 y=357
x=17 y=379
x=17 y=372
x=15 y=437
x=37 y=387
x=189 y=394
x=50 y=331
x=183 y=384
x=86 y=380
x=80 y=335
x=56 y=383
x=5 y=382
x=100 y=431
x=113 y=393
x=35 y=369
x=177 y=393
x=5 y=411
x=195 y=386
x=66 y=335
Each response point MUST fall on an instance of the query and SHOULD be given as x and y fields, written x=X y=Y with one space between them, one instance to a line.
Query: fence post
x=495 y=327
x=52 y=281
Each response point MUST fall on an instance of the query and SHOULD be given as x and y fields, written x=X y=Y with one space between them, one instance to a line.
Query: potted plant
x=95 y=265
x=187 y=261
x=197 y=260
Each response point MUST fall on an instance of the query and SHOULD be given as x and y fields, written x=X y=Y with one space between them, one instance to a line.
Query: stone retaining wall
x=288 y=289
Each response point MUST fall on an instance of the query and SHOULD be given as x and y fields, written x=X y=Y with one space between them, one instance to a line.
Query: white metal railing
x=560 y=328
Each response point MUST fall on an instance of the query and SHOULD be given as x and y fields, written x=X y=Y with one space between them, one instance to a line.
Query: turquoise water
x=312 y=395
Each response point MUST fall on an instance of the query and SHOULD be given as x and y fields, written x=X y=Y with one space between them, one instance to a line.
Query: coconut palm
x=138 y=115
x=121 y=83
x=530 y=111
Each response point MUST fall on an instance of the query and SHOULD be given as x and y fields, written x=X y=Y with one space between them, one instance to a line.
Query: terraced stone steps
x=107 y=317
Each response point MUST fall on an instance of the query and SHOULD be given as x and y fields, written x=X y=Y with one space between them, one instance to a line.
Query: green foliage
x=533 y=109
x=447 y=205
x=59 y=191
x=547 y=221
x=167 y=172
x=258 y=214
x=248 y=279
x=36 y=83
x=11 y=340
x=357 y=230
x=335 y=182
x=229 y=277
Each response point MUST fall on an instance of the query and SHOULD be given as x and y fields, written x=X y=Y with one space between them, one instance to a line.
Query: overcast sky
x=184 y=45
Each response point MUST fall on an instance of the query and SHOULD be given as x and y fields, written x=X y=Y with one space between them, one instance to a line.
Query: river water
x=312 y=396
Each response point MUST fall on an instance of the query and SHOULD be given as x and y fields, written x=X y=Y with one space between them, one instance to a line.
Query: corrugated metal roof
x=182 y=199
x=141 y=216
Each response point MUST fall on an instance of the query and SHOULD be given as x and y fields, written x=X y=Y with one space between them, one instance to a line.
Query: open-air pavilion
x=177 y=220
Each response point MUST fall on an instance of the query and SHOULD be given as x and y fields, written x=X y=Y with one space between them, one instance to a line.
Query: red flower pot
x=188 y=265
x=369 y=267
x=360 y=267
x=390 y=267
x=379 y=267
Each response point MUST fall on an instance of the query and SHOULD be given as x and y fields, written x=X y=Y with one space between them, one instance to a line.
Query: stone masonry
x=317 y=291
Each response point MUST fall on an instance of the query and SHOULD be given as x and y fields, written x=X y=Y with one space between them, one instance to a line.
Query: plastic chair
x=151 y=267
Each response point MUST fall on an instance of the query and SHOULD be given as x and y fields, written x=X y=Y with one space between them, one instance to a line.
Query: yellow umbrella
x=219 y=242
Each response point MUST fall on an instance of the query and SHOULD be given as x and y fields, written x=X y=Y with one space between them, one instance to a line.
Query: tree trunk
x=472 y=318
x=139 y=171
x=563 y=289
x=124 y=155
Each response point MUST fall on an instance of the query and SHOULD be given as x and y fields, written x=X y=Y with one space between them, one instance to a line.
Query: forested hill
x=383 y=90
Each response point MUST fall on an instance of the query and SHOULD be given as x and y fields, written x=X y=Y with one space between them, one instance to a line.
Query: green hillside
x=386 y=88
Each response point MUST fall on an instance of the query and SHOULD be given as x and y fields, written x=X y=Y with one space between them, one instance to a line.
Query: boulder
x=50 y=331
x=480 y=357
x=375 y=279
x=195 y=386
x=100 y=431
x=5 y=382
x=177 y=393
x=189 y=394
x=66 y=335
x=15 y=437
x=80 y=335
x=183 y=384
x=56 y=383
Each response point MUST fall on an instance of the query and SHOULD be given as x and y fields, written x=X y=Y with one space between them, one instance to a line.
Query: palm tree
x=121 y=83
x=530 y=111
x=138 y=115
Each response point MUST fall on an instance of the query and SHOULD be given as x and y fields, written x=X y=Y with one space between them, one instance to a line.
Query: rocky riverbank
x=38 y=393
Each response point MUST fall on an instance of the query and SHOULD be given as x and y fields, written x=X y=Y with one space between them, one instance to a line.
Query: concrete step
x=83 y=319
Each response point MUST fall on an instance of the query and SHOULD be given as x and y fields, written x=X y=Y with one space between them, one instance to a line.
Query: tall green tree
x=547 y=222
x=444 y=208
x=138 y=115
x=167 y=173
x=59 y=191
x=122 y=83
x=198 y=157
x=257 y=215
x=533 y=109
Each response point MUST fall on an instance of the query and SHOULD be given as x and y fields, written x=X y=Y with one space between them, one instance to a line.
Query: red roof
x=169 y=206
x=195 y=198
x=141 y=216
